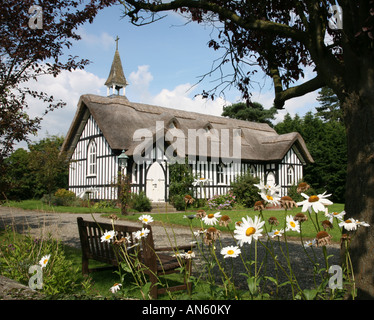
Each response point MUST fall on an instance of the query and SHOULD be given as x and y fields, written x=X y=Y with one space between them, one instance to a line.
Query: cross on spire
x=117 y=43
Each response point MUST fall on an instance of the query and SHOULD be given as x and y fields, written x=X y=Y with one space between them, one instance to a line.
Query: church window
x=91 y=159
x=290 y=175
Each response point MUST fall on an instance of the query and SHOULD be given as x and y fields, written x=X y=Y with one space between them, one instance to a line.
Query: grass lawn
x=40 y=206
x=102 y=281
x=169 y=219
x=308 y=228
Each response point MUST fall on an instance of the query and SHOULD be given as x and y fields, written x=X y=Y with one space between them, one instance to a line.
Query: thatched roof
x=118 y=119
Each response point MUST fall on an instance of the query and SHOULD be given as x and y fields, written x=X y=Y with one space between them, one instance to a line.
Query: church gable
x=92 y=164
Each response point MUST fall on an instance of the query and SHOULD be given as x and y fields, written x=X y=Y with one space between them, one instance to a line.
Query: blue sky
x=162 y=62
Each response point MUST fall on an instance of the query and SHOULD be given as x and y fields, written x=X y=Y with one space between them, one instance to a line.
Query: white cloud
x=104 y=40
x=139 y=83
x=180 y=97
x=67 y=86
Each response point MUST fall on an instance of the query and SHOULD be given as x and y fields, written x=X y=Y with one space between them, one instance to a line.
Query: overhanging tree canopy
x=284 y=37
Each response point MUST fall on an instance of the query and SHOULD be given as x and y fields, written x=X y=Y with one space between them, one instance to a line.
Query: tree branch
x=224 y=13
x=282 y=95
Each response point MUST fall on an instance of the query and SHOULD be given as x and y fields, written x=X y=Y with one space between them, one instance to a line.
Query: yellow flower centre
x=230 y=252
x=292 y=224
x=269 y=197
x=250 y=231
x=313 y=199
x=45 y=261
x=348 y=221
x=276 y=232
x=210 y=215
x=107 y=236
x=145 y=220
x=335 y=213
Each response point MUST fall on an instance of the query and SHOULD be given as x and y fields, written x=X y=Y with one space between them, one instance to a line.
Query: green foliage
x=64 y=197
x=330 y=106
x=31 y=174
x=254 y=112
x=19 y=179
x=181 y=179
x=244 y=190
x=326 y=142
x=296 y=196
x=49 y=166
x=178 y=202
x=19 y=252
x=140 y=202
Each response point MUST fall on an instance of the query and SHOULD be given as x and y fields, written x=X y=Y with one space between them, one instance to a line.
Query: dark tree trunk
x=359 y=116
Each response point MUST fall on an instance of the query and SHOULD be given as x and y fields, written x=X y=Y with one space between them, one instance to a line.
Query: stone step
x=162 y=207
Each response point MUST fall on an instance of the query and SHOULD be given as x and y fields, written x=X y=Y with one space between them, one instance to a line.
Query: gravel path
x=63 y=226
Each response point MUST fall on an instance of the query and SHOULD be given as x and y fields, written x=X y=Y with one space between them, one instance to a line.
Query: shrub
x=178 y=202
x=64 y=197
x=296 y=196
x=222 y=202
x=19 y=252
x=244 y=190
x=140 y=202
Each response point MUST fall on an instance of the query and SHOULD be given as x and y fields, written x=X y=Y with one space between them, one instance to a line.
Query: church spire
x=116 y=79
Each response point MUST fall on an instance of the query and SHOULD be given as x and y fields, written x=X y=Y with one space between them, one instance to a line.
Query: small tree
x=49 y=166
x=250 y=112
x=181 y=179
x=244 y=190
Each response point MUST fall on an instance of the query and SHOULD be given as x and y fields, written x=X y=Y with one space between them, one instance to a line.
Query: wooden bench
x=157 y=261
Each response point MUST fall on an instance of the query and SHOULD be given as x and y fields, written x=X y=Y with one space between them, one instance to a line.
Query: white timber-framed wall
x=104 y=175
x=94 y=165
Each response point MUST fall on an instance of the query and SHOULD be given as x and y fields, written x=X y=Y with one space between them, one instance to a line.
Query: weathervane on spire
x=117 y=43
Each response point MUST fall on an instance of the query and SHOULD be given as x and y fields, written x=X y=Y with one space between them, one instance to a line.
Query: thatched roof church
x=150 y=138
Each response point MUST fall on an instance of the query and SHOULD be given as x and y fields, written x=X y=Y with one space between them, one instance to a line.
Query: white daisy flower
x=269 y=189
x=317 y=203
x=115 y=287
x=292 y=224
x=107 y=236
x=185 y=255
x=276 y=233
x=44 y=260
x=146 y=218
x=211 y=219
x=199 y=232
x=362 y=223
x=189 y=254
x=309 y=244
x=141 y=233
x=349 y=224
x=332 y=215
x=272 y=199
x=248 y=230
x=201 y=182
x=230 y=252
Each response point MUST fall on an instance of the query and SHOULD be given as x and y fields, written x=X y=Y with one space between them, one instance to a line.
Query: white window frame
x=290 y=175
x=91 y=159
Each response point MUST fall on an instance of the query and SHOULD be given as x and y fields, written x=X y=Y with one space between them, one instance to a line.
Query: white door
x=270 y=179
x=156 y=183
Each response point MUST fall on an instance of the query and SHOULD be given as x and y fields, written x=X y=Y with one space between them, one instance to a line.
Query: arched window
x=290 y=175
x=91 y=159
x=221 y=174
x=135 y=172
x=252 y=171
